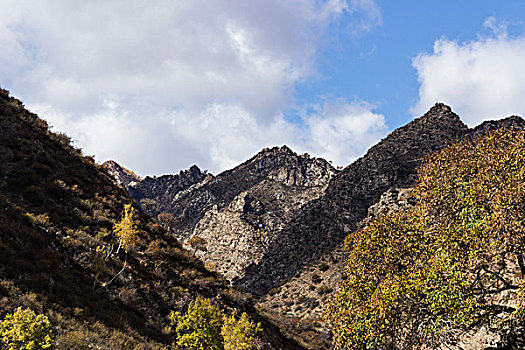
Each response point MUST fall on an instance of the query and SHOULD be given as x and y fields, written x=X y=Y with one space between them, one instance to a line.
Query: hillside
x=58 y=207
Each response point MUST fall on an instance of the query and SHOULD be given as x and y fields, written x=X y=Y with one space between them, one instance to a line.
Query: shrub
x=25 y=330
x=200 y=327
x=241 y=334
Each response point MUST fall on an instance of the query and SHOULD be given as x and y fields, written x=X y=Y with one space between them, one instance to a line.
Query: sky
x=161 y=85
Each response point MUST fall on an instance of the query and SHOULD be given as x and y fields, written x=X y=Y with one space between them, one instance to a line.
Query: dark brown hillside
x=56 y=208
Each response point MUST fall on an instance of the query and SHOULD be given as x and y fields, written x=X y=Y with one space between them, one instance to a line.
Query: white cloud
x=482 y=79
x=161 y=85
x=341 y=131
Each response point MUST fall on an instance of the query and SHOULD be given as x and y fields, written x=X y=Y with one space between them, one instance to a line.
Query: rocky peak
x=284 y=165
x=512 y=122
x=323 y=223
x=121 y=175
x=439 y=108
x=165 y=187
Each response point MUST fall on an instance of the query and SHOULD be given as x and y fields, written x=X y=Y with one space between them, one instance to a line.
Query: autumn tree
x=205 y=326
x=240 y=334
x=26 y=330
x=167 y=220
x=126 y=229
x=427 y=274
x=200 y=327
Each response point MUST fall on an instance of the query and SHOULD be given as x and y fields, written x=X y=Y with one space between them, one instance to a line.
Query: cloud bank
x=161 y=85
x=481 y=79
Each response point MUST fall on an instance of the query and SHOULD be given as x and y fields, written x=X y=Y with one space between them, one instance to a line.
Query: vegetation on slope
x=425 y=276
x=59 y=255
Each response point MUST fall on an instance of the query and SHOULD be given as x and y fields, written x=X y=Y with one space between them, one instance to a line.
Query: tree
x=205 y=326
x=25 y=330
x=200 y=327
x=126 y=229
x=241 y=334
x=426 y=275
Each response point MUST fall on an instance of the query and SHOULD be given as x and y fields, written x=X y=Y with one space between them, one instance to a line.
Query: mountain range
x=265 y=237
x=274 y=226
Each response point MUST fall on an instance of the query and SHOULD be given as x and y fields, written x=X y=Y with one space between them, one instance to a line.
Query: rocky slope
x=301 y=299
x=241 y=212
x=323 y=223
x=56 y=249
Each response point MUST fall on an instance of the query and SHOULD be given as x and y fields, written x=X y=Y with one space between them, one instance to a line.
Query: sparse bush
x=197 y=243
x=324 y=290
x=324 y=267
x=274 y=291
x=316 y=278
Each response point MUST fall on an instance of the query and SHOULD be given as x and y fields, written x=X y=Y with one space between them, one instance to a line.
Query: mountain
x=301 y=297
x=240 y=213
x=59 y=256
x=324 y=223
x=275 y=224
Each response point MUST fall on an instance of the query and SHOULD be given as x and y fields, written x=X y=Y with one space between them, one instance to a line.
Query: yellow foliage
x=25 y=330
x=126 y=230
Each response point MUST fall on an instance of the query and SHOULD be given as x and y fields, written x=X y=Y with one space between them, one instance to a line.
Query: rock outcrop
x=122 y=176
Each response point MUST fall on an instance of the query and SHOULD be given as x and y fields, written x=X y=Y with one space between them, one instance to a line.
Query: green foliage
x=241 y=334
x=25 y=330
x=427 y=274
x=204 y=326
x=126 y=229
x=200 y=327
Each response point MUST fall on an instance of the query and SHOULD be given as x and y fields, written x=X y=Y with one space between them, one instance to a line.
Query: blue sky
x=161 y=86
x=377 y=66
